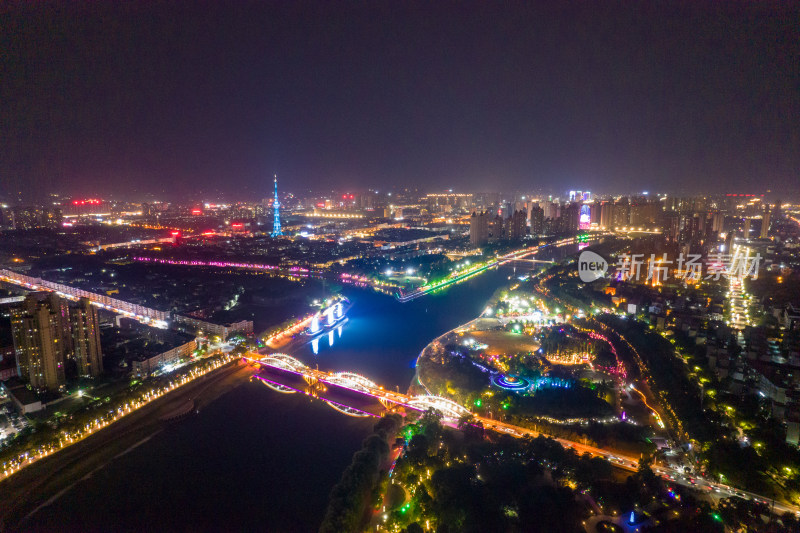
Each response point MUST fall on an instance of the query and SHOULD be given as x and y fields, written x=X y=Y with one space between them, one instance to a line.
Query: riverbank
x=39 y=483
x=417 y=386
x=254 y=459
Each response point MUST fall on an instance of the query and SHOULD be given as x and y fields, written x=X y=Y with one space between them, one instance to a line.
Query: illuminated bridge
x=353 y=381
x=146 y=315
x=355 y=395
x=341 y=390
x=448 y=408
x=347 y=392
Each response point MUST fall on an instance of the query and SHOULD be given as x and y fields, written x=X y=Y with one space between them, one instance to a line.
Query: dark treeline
x=470 y=483
x=350 y=497
x=667 y=373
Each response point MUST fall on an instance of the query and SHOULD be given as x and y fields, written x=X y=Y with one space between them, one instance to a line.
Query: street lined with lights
x=66 y=439
x=473 y=270
x=451 y=412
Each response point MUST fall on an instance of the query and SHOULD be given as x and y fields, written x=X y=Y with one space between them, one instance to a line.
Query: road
x=671 y=475
x=36 y=484
x=451 y=415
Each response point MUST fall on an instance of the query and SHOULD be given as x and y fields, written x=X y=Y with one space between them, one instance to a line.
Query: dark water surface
x=382 y=337
x=255 y=459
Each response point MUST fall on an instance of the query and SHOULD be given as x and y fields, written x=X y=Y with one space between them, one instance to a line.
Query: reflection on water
x=228 y=467
x=382 y=337
x=332 y=334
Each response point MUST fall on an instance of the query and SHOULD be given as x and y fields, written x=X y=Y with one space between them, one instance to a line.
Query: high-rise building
x=506 y=209
x=621 y=214
x=717 y=222
x=595 y=213
x=607 y=215
x=518 y=226
x=85 y=335
x=276 y=217
x=537 y=220
x=585 y=216
x=643 y=213
x=456 y=200
x=496 y=228
x=746 y=230
x=48 y=331
x=700 y=222
x=765 y=223
x=671 y=225
x=570 y=216
x=552 y=210
x=32 y=217
x=60 y=307
x=478 y=229
x=40 y=356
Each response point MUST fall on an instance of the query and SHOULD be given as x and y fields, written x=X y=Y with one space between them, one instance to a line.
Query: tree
x=646 y=476
x=417 y=450
x=464 y=421
x=351 y=495
x=430 y=424
x=605 y=358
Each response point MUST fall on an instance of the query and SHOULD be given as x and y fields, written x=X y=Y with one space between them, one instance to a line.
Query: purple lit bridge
x=347 y=392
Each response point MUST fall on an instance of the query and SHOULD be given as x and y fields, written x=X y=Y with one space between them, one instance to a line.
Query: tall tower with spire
x=276 y=205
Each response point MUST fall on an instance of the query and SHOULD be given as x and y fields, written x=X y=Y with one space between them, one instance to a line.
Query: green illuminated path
x=517 y=254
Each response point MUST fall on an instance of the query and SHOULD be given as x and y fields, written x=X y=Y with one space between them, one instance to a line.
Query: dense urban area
x=400 y=266
x=659 y=394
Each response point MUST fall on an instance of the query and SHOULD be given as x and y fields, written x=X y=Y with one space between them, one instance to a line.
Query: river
x=256 y=459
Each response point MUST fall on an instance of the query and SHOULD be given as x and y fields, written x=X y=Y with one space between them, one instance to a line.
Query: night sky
x=187 y=99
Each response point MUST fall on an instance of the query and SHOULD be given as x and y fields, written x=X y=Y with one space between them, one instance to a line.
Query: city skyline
x=530 y=267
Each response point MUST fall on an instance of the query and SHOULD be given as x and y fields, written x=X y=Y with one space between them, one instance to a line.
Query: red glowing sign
x=237 y=225
x=320 y=204
x=176 y=233
x=197 y=211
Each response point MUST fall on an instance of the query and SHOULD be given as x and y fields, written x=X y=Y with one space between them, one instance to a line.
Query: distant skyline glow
x=181 y=101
